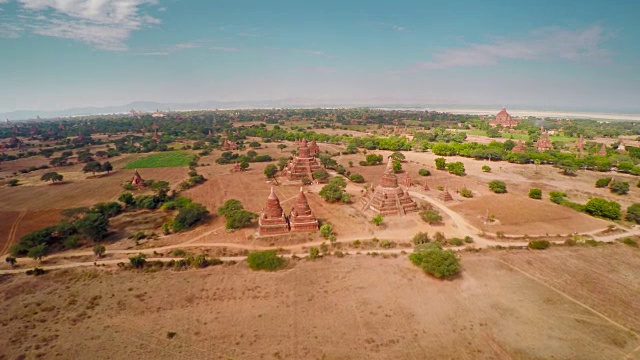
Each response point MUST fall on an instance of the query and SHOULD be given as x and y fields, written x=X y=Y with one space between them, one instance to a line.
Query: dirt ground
x=562 y=303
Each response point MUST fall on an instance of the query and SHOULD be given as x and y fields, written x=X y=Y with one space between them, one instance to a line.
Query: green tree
x=321 y=175
x=51 y=176
x=603 y=182
x=331 y=193
x=603 y=208
x=92 y=167
x=326 y=230
x=189 y=216
x=37 y=252
x=456 y=168
x=107 y=167
x=338 y=181
x=535 y=194
x=161 y=189
x=138 y=261
x=239 y=219
x=498 y=187
x=431 y=216
x=230 y=206
x=397 y=156
x=441 y=163
x=265 y=260
x=486 y=168
x=99 y=250
x=126 y=199
x=11 y=261
x=424 y=172
x=421 y=238
x=397 y=166
x=466 y=193
x=377 y=220
x=281 y=147
x=13 y=182
x=244 y=165
x=633 y=213
x=568 y=167
x=314 y=253
x=93 y=226
x=443 y=264
x=619 y=187
x=270 y=171
x=356 y=178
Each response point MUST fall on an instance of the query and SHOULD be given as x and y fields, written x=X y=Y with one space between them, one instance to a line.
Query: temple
x=603 y=150
x=519 y=148
x=544 y=143
x=445 y=196
x=301 y=218
x=504 y=119
x=272 y=220
x=314 y=149
x=137 y=180
x=388 y=198
x=581 y=147
x=302 y=165
x=229 y=145
x=155 y=126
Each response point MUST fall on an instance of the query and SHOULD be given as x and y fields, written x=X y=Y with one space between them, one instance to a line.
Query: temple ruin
x=302 y=165
x=388 y=198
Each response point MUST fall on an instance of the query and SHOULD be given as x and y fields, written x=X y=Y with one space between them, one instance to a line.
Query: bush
x=442 y=264
x=93 y=226
x=239 y=219
x=189 y=216
x=431 y=216
x=535 y=194
x=326 y=230
x=603 y=182
x=539 y=244
x=603 y=208
x=466 y=193
x=356 y=178
x=265 y=260
x=557 y=197
x=138 y=261
x=321 y=175
x=441 y=163
x=229 y=206
x=424 y=172
x=13 y=182
x=377 y=220
x=620 y=187
x=456 y=242
x=630 y=241
x=633 y=213
x=486 y=168
x=456 y=168
x=314 y=253
x=498 y=187
x=99 y=250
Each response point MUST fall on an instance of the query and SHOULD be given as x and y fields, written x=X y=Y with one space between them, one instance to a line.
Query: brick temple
x=302 y=165
x=544 y=143
x=272 y=220
x=137 y=180
x=314 y=149
x=388 y=198
x=504 y=119
x=301 y=218
x=519 y=148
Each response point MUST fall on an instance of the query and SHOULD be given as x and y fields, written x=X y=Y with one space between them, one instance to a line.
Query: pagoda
x=445 y=196
x=137 y=180
x=388 y=198
x=229 y=145
x=581 y=147
x=272 y=220
x=314 y=149
x=504 y=119
x=544 y=143
x=302 y=165
x=236 y=168
x=406 y=181
x=603 y=150
x=519 y=148
x=155 y=126
x=425 y=187
x=301 y=218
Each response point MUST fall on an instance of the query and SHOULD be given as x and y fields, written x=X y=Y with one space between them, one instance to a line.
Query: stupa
x=272 y=220
x=302 y=165
x=519 y=148
x=603 y=150
x=314 y=149
x=388 y=198
x=137 y=179
x=544 y=143
x=301 y=217
x=445 y=196
x=581 y=147
x=406 y=181
x=229 y=145
x=504 y=119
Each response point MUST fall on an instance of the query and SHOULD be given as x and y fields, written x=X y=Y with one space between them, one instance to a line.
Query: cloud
x=104 y=24
x=224 y=49
x=548 y=44
x=395 y=27
x=314 y=53
x=9 y=31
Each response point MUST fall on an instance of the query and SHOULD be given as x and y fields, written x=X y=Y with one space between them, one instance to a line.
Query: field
x=564 y=303
x=163 y=159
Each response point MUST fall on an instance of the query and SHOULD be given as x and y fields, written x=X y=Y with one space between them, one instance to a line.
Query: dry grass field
x=562 y=303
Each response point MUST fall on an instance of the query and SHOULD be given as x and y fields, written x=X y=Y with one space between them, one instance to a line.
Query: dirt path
x=12 y=233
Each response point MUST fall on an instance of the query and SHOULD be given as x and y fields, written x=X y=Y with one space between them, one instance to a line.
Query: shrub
x=466 y=193
x=321 y=175
x=633 y=213
x=314 y=253
x=620 y=187
x=424 y=172
x=421 y=238
x=72 y=242
x=630 y=241
x=239 y=219
x=498 y=187
x=397 y=166
x=456 y=168
x=356 y=178
x=179 y=252
x=99 y=250
x=230 y=206
x=189 y=216
x=138 y=261
x=441 y=163
x=539 y=244
x=93 y=226
x=603 y=208
x=557 y=197
x=535 y=194
x=431 y=216
x=603 y=182
x=486 y=168
x=440 y=263
x=377 y=220
x=326 y=230
x=456 y=241
x=13 y=182
x=265 y=260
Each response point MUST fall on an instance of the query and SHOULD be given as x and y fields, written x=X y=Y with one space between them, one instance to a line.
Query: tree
x=331 y=193
x=456 y=168
x=93 y=226
x=377 y=220
x=373 y=159
x=442 y=264
x=338 y=181
x=252 y=153
x=13 y=182
x=189 y=216
x=11 y=261
x=161 y=188
x=397 y=156
x=239 y=219
x=254 y=144
x=466 y=193
x=498 y=187
x=603 y=208
x=486 y=168
x=535 y=194
x=126 y=199
x=51 y=176
x=138 y=261
x=603 y=182
x=99 y=250
x=441 y=163
x=266 y=260
x=314 y=253
x=619 y=187
x=107 y=167
x=244 y=165
x=92 y=167
x=270 y=171
x=321 y=175
x=356 y=178
x=397 y=166
x=421 y=238
x=230 y=206
x=37 y=252
x=281 y=147
x=424 y=172
x=431 y=216
x=326 y=230
x=633 y=213
x=568 y=167
x=536 y=162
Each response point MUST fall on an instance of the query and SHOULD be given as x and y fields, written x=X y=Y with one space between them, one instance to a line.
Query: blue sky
x=58 y=54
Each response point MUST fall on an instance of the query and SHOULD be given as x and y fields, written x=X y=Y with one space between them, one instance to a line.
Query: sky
x=573 y=55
